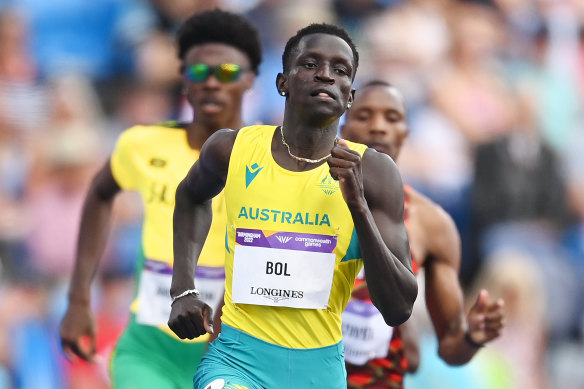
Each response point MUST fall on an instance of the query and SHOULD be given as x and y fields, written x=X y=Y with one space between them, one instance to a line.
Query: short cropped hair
x=218 y=26
x=318 y=28
x=376 y=82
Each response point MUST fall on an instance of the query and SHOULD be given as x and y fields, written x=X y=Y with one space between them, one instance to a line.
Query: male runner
x=378 y=119
x=220 y=54
x=305 y=213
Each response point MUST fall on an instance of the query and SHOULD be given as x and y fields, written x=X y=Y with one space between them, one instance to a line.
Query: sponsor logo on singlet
x=275 y=294
x=251 y=173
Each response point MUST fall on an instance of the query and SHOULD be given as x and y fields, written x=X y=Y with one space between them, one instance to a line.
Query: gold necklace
x=300 y=158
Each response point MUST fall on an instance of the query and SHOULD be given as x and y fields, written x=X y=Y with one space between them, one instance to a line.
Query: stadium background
x=495 y=93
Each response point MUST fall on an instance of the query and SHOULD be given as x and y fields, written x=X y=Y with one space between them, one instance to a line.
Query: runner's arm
x=377 y=212
x=444 y=297
x=217 y=319
x=384 y=240
x=190 y=317
x=411 y=345
x=78 y=321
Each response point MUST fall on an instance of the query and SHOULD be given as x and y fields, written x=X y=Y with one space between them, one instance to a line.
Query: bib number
x=283 y=269
x=154 y=291
x=366 y=336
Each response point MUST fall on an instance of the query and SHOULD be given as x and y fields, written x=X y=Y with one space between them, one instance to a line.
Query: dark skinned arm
x=377 y=212
x=411 y=345
x=217 y=320
x=78 y=321
x=190 y=317
x=444 y=297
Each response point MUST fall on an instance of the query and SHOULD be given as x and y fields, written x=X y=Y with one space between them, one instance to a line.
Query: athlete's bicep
x=386 y=202
x=207 y=176
x=104 y=184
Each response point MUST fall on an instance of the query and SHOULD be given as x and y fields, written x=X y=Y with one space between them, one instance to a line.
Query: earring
x=283 y=93
x=348 y=105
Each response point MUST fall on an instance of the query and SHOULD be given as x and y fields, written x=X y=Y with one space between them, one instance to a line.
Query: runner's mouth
x=211 y=106
x=323 y=94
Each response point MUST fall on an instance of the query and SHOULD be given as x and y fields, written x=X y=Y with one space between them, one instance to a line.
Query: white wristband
x=185 y=293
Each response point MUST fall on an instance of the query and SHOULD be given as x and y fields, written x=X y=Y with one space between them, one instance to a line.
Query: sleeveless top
x=153 y=160
x=292 y=253
x=387 y=371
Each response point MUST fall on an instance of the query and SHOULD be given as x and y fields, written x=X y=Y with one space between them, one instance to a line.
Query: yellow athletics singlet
x=153 y=160
x=292 y=252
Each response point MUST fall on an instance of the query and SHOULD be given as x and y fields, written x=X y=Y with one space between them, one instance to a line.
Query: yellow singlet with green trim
x=292 y=252
x=153 y=160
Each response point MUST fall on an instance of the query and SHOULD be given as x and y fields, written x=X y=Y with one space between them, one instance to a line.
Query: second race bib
x=366 y=336
x=154 y=291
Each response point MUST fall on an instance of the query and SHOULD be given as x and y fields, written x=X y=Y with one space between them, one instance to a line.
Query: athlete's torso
x=153 y=160
x=292 y=253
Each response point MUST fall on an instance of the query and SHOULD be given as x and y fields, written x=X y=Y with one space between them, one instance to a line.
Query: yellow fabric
x=256 y=185
x=153 y=160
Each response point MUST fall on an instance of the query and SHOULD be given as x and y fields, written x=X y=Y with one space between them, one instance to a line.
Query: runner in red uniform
x=377 y=118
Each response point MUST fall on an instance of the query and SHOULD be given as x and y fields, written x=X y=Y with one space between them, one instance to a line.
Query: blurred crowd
x=495 y=94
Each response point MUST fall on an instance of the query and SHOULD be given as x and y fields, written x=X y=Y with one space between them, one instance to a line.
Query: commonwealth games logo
x=284 y=239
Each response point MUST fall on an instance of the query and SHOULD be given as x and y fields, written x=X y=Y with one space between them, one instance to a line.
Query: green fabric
x=354 y=249
x=147 y=358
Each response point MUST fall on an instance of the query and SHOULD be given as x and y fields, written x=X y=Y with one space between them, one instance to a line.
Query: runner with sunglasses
x=220 y=54
x=226 y=72
x=305 y=213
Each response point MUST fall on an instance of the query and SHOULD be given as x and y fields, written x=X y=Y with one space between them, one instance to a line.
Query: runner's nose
x=379 y=125
x=323 y=74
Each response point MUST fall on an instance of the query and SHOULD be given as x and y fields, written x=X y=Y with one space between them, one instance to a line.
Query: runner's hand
x=77 y=332
x=485 y=318
x=345 y=167
x=190 y=317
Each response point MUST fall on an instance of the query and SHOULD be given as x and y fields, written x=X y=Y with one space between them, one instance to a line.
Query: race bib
x=366 y=336
x=154 y=291
x=210 y=282
x=283 y=269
